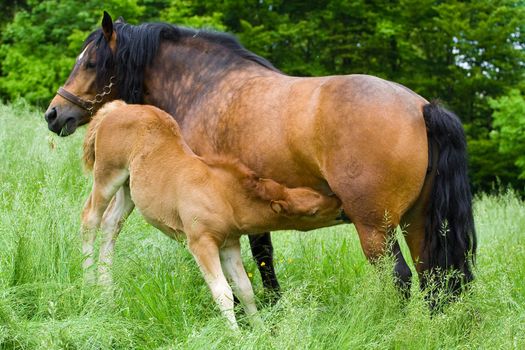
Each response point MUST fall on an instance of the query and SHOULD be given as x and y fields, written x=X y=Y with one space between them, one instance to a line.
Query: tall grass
x=332 y=298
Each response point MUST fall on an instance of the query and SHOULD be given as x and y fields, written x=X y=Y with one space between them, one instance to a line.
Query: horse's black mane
x=137 y=46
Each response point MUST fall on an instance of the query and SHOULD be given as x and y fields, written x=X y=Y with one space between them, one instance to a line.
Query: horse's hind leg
x=414 y=222
x=262 y=250
x=114 y=216
x=379 y=239
x=402 y=273
x=234 y=270
x=88 y=231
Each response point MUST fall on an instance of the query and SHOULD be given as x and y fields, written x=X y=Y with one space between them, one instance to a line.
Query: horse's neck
x=196 y=83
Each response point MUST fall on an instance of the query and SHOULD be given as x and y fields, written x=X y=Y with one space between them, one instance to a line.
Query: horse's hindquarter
x=359 y=136
x=372 y=145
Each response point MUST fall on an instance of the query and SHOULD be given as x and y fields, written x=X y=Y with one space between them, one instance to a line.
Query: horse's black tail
x=450 y=235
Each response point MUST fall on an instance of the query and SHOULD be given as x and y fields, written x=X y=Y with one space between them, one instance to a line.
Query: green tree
x=39 y=46
x=509 y=127
x=188 y=13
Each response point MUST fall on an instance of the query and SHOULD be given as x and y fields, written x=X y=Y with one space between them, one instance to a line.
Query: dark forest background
x=468 y=54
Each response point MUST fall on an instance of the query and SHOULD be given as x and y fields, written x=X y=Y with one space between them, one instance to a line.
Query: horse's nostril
x=51 y=115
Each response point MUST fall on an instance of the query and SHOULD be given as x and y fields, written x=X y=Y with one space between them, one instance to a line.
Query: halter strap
x=87 y=105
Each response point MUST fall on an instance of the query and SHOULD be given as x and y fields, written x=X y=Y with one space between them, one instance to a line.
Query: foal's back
x=120 y=131
x=166 y=178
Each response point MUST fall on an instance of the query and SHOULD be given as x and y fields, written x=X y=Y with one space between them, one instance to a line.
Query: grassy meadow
x=332 y=298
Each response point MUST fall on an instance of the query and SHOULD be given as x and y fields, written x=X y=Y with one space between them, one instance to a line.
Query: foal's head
x=304 y=201
x=294 y=203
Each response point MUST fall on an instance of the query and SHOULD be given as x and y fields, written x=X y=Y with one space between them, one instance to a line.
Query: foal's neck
x=159 y=133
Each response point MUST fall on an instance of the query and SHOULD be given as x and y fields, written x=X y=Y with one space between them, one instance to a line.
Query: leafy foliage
x=39 y=46
x=462 y=52
x=509 y=124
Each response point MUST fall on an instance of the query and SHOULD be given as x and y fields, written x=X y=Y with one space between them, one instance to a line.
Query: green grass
x=332 y=297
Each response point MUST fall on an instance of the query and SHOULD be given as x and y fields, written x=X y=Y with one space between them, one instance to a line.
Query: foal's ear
x=107 y=26
x=279 y=207
x=120 y=19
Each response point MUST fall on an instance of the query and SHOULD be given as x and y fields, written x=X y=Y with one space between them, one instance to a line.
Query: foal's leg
x=117 y=212
x=94 y=208
x=205 y=250
x=262 y=250
x=233 y=268
x=88 y=232
x=104 y=188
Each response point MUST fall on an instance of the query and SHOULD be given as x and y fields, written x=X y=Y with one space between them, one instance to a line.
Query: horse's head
x=89 y=85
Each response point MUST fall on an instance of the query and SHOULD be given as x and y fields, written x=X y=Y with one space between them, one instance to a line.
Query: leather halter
x=87 y=105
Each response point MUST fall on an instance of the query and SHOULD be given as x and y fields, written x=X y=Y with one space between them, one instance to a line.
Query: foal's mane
x=266 y=190
x=137 y=46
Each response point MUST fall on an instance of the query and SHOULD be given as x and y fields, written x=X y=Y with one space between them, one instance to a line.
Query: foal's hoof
x=90 y=278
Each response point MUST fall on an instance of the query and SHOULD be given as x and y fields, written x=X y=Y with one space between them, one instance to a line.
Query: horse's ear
x=120 y=19
x=279 y=207
x=107 y=26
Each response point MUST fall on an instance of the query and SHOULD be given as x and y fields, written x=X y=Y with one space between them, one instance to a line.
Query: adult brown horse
x=389 y=155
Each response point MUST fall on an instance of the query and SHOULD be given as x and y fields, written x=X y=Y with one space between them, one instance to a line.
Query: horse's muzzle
x=51 y=115
x=68 y=128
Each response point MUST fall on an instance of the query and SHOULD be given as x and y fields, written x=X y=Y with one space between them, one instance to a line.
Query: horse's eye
x=90 y=64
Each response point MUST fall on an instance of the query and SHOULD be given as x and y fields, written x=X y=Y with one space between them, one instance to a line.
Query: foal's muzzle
x=343 y=217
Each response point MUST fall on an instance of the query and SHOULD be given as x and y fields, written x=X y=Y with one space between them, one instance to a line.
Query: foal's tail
x=88 y=156
x=450 y=235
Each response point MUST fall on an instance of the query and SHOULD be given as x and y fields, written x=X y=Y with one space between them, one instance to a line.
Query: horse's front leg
x=115 y=215
x=262 y=250
x=233 y=268
x=205 y=250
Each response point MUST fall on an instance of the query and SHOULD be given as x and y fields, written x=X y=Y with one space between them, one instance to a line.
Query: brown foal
x=139 y=158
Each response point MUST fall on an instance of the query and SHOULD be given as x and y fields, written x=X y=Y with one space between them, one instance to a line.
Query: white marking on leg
x=88 y=232
x=234 y=269
x=206 y=253
x=115 y=215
